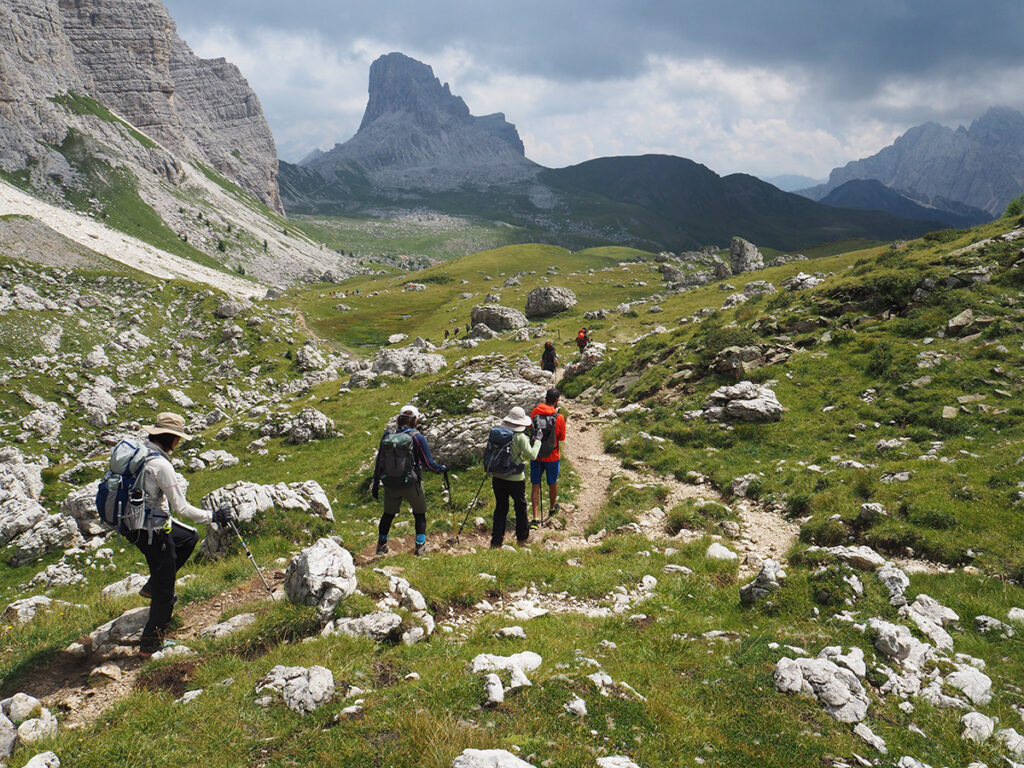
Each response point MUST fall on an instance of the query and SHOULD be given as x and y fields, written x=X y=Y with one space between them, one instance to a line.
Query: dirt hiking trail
x=765 y=534
x=67 y=685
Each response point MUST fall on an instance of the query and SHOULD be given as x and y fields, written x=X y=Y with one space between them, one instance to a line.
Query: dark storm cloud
x=748 y=85
x=853 y=46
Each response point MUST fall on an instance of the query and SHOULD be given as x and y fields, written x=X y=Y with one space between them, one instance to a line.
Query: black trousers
x=165 y=556
x=503 y=491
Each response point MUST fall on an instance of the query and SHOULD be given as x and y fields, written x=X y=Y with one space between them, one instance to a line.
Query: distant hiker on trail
x=456 y=331
x=582 y=339
x=549 y=428
x=169 y=547
x=549 y=360
x=399 y=468
x=508 y=450
x=446 y=334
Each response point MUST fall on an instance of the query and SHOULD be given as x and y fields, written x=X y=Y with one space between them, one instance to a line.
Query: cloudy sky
x=759 y=86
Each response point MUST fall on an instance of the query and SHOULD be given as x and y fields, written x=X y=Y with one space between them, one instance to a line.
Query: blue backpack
x=498 y=453
x=121 y=497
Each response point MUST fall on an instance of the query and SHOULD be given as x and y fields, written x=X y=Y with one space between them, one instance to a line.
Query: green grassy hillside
x=699 y=665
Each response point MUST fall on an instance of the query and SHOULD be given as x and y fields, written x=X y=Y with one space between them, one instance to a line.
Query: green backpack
x=398 y=460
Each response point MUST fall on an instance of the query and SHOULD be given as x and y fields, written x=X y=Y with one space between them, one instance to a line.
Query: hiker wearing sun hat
x=401 y=456
x=168 y=548
x=505 y=458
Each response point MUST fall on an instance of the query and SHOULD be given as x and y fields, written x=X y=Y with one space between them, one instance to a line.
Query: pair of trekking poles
x=472 y=505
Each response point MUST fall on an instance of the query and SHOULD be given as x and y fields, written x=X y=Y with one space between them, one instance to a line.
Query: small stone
x=576 y=707
x=977 y=727
x=717 y=551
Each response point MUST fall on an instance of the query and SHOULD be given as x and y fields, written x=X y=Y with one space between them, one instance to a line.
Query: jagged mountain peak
x=999 y=127
x=417 y=134
x=403 y=86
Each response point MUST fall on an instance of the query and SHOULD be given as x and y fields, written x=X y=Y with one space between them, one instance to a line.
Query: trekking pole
x=471 y=507
x=451 y=499
x=251 y=559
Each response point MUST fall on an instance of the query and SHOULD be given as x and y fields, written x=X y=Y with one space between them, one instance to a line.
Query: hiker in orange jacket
x=547 y=463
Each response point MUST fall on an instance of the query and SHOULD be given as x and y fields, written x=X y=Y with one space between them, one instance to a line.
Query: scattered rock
x=24 y=610
x=230 y=626
x=745 y=401
x=408 y=361
x=767 y=581
x=716 y=551
x=977 y=727
x=576 y=707
x=303 y=689
x=549 y=300
x=837 y=689
x=309 y=424
x=129 y=585
x=379 y=626
x=323 y=575
x=498 y=318
x=744 y=256
x=44 y=760
x=488 y=758
x=52 y=534
x=494 y=690
x=246 y=500
x=989 y=625
x=865 y=734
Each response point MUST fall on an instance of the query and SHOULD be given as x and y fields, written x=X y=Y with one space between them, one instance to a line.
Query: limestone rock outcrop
x=498 y=318
x=321 y=575
x=745 y=401
x=744 y=256
x=128 y=57
x=549 y=300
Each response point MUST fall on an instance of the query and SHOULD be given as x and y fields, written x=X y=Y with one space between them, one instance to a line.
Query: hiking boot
x=150 y=645
x=554 y=510
x=144 y=592
x=535 y=523
x=382 y=547
x=421 y=549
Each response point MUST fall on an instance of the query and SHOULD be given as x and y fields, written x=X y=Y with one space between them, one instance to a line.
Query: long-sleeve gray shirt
x=164 y=488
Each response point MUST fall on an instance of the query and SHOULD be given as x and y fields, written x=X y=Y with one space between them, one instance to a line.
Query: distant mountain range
x=418 y=146
x=873 y=195
x=959 y=171
x=791 y=182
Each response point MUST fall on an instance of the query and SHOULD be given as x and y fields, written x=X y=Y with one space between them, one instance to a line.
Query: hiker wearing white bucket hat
x=508 y=450
x=167 y=549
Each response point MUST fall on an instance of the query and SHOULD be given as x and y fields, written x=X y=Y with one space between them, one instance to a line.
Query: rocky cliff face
x=981 y=166
x=127 y=56
x=416 y=134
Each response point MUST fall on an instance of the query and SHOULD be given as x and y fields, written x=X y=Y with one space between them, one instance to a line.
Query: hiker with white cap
x=401 y=456
x=508 y=449
x=168 y=547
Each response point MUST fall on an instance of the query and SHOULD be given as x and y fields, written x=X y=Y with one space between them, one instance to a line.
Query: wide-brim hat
x=517 y=419
x=168 y=424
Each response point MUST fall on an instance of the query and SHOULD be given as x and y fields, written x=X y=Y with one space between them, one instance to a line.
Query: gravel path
x=120 y=247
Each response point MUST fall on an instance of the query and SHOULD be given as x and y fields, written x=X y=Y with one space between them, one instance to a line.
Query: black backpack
x=498 y=453
x=398 y=467
x=544 y=424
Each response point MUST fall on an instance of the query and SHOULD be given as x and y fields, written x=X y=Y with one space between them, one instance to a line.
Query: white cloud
x=731 y=118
